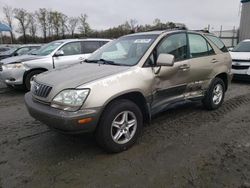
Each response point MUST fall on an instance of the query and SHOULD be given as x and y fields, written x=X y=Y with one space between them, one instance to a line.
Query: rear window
x=217 y=42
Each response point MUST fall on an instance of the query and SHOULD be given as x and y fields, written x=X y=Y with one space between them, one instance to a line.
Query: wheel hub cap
x=123 y=127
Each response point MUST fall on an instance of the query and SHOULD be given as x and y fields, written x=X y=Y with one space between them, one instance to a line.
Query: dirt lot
x=186 y=146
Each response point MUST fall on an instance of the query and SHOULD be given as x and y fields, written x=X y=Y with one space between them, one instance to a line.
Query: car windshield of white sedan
x=47 y=49
x=242 y=47
x=125 y=51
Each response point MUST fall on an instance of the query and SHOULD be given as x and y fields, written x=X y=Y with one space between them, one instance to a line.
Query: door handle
x=214 y=61
x=184 y=67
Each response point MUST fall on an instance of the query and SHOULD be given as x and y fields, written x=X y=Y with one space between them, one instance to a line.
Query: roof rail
x=202 y=30
x=169 y=29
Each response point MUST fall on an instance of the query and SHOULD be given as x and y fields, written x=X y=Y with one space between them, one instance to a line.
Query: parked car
x=122 y=85
x=4 y=49
x=21 y=70
x=241 y=60
x=18 y=51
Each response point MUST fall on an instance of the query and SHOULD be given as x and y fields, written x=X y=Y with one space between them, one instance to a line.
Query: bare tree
x=33 y=25
x=23 y=18
x=9 y=16
x=72 y=25
x=132 y=23
x=50 y=15
x=41 y=15
x=84 y=26
x=56 y=17
x=63 y=23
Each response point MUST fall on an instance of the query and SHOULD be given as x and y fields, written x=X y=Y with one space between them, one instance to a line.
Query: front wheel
x=215 y=94
x=120 y=125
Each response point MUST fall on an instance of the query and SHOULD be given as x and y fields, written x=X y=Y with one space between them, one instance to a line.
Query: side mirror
x=230 y=49
x=165 y=60
x=59 y=53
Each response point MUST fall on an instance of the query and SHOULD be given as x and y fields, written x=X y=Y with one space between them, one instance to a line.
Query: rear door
x=202 y=60
x=72 y=55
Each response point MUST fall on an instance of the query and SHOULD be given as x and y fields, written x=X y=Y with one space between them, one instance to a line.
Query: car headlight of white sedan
x=70 y=99
x=14 y=66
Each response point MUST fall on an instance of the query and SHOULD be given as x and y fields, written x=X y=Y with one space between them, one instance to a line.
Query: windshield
x=242 y=47
x=9 y=52
x=126 y=50
x=47 y=49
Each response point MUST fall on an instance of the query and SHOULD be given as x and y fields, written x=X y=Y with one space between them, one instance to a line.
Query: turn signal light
x=84 y=121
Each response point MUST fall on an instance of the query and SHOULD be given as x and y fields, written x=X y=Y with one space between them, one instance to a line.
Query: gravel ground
x=186 y=146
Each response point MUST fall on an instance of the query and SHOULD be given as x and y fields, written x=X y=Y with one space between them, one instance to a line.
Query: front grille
x=241 y=60
x=240 y=67
x=1 y=68
x=40 y=90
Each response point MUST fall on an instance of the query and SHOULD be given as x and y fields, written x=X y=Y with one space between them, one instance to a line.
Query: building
x=244 y=31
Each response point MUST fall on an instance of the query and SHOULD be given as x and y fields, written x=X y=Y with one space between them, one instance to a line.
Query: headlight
x=70 y=99
x=14 y=66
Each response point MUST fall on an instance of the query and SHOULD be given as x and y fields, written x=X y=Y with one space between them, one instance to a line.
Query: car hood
x=77 y=75
x=19 y=59
x=240 y=55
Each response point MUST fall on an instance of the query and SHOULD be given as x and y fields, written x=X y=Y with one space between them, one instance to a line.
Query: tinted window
x=218 y=43
x=176 y=45
x=199 y=46
x=90 y=46
x=72 y=48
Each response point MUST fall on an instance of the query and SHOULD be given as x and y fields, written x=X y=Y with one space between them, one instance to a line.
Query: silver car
x=21 y=70
x=125 y=83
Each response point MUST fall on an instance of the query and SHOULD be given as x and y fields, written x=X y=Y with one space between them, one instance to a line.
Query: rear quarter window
x=217 y=42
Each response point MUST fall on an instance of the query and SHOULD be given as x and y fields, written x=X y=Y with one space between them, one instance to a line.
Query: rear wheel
x=215 y=94
x=120 y=126
x=30 y=77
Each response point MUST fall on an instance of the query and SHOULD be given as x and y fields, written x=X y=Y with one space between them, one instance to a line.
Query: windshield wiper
x=103 y=61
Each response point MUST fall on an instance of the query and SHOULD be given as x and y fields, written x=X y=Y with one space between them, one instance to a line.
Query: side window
x=90 y=46
x=217 y=42
x=199 y=46
x=176 y=45
x=22 y=51
x=72 y=48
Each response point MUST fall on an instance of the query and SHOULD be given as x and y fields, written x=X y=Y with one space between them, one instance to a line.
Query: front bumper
x=60 y=120
x=12 y=76
x=241 y=74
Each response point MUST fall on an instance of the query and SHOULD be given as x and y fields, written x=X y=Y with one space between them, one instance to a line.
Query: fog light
x=86 y=120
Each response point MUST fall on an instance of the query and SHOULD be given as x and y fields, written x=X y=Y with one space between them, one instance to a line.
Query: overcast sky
x=196 y=14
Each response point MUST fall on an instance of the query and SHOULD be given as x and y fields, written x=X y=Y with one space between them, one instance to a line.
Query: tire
x=31 y=76
x=215 y=95
x=111 y=126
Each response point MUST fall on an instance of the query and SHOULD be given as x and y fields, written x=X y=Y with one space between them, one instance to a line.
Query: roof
x=245 y=1
x=4 y=27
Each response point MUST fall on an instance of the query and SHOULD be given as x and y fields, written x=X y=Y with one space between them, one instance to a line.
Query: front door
x=171 y=82
x=72 y=54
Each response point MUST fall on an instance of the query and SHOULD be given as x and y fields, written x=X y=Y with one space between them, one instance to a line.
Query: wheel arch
x=31 y=70
x=136 y=97
x=225 y=79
